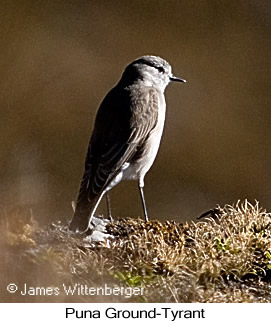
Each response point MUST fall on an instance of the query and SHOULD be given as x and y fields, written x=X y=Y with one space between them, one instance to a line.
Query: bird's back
x=125 y=119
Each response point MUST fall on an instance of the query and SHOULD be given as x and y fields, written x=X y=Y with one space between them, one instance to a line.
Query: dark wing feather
x=122 y=125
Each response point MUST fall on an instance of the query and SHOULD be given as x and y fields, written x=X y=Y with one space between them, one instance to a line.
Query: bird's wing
x=122 y=125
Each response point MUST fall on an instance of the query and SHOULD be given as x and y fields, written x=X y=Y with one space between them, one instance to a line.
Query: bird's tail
x=84 y=211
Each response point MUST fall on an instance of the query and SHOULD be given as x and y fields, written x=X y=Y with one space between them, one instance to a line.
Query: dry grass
x=224 y=258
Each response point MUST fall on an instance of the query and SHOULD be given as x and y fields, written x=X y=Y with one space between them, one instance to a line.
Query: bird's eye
x=161 y=69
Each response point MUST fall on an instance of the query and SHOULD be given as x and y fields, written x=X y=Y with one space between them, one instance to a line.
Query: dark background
x=59 y=58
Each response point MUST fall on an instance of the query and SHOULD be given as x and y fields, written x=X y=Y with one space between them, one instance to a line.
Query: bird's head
x=152 y=71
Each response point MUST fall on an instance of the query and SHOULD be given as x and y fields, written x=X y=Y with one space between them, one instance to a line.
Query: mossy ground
x=223 y=258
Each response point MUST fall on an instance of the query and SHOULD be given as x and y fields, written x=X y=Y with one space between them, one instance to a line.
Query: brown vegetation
x=225 y=258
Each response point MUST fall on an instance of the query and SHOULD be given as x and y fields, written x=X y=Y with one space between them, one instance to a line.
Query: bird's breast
x=148 y=151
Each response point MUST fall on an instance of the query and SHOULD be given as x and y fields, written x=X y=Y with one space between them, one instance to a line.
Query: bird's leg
x=108 y=203
x=140 y=186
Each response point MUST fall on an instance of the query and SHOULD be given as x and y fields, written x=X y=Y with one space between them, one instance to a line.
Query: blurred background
x=59 y=58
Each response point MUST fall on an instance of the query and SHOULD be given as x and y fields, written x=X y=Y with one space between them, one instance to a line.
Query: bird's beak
x=176 y=79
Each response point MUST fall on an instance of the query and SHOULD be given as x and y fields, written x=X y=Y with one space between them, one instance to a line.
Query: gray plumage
x=126 y=135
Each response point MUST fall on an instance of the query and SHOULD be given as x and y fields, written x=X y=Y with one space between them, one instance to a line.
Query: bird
x=126 y=136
